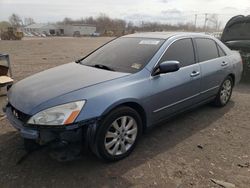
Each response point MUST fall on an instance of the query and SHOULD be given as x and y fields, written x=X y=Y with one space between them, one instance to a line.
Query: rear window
x=207 y=49
x=125 y=54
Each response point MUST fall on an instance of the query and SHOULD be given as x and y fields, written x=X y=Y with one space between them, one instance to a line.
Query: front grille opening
x=20 y=115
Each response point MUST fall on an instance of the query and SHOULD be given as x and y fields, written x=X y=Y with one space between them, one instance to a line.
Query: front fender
x=122 y=102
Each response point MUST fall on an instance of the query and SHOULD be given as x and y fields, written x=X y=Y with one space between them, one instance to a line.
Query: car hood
x=41 y=87
x=239 y=44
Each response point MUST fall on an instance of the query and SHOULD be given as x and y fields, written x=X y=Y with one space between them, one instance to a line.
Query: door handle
x=224 y=63
x=194 y=74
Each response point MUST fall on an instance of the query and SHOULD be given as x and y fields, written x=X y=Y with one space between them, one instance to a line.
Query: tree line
x=106 y=25
x=111 y=26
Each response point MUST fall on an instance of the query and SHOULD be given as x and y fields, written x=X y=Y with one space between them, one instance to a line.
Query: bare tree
x=215 y=24
x=89 y=20
x=117 y=27
x=219 y=24
x=15 y=20
x=67 y=20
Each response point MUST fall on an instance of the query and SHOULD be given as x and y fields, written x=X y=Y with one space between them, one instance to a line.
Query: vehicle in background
x=11 y=33
x=236 y=36
x=76 y=34
x=108 y=98
x=47 y=34
x=36 y=34
x=95 y=34
x=43 y=35
x=27 y=34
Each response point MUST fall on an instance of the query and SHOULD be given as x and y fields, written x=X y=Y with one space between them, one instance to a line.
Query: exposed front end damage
x=65 y=142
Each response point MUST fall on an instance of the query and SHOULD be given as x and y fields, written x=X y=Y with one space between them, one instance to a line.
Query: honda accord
x=107 y=99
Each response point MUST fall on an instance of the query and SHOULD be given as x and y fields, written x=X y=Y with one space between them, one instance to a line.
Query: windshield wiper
x=100 y=66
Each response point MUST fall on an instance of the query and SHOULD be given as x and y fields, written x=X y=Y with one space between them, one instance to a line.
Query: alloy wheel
x=121 y=135
x=226 y=91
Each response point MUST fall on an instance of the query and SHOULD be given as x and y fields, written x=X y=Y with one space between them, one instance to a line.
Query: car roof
x=166 y=35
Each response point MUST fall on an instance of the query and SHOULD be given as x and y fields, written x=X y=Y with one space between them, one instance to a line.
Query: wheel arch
x=233 y=78
x=132 y=104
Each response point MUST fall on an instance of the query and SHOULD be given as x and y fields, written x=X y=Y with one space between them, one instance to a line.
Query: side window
x=207 y=49
x=182 y=51
x=221 y=52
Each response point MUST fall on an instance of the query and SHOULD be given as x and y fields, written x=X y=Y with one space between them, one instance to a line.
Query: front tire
x=118 y=134
x=224 y=93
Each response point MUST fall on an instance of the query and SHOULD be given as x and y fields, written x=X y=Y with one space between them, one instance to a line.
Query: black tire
x=30 y=145
x=105 y=125
x=218 y=101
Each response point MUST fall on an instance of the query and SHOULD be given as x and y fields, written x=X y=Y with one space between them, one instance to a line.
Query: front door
x=174 y=92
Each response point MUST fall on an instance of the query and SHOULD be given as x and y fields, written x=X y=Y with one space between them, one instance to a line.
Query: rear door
x=213 y=64
x=177 y=90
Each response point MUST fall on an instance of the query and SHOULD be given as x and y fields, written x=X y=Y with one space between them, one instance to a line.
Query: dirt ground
x=185 y=152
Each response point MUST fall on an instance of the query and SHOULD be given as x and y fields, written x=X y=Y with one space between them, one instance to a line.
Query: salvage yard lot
x=184 y=152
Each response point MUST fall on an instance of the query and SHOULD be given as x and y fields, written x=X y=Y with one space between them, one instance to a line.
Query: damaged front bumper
x=16 y=123
x=45 y=134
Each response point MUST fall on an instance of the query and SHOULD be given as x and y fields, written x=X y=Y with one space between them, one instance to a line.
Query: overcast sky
x=166 y=11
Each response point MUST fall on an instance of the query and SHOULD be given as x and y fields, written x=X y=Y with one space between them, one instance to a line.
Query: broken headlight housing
x=58 y=115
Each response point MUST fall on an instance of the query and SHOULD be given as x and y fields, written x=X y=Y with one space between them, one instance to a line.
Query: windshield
x=124 y=54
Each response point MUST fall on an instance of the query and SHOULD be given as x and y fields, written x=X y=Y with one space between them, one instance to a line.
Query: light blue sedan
x=108 y=98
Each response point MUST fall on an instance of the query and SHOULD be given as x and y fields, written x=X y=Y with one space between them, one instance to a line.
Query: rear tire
x=117 y=134
x=224 y=93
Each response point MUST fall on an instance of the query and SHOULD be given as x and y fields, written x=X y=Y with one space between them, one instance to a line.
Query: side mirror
x=166 y=66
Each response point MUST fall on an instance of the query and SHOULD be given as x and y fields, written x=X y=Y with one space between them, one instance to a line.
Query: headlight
x=58 y=115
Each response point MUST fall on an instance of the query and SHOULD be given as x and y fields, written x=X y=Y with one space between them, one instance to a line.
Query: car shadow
x=40 y=169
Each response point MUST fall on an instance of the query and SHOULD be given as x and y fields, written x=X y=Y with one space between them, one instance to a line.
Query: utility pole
x=205 y=22
x=195 y=21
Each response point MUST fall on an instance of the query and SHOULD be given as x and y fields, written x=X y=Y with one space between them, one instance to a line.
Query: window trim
x=194 y=50
x=218 y=47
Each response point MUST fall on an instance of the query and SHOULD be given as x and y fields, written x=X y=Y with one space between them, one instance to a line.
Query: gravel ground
x=188 y=151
